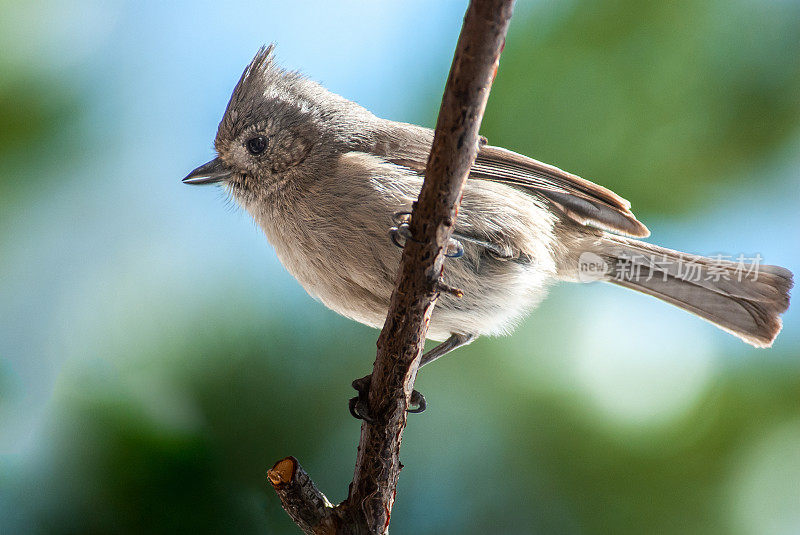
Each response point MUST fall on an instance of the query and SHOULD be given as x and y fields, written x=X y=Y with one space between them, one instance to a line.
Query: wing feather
x=579 y=199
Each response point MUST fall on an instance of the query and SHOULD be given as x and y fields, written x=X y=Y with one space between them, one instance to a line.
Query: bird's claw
x=359 y=410
x=398 y=218
x=401 y=233
x=417 y=402
x=454 y=249
x=359 y=405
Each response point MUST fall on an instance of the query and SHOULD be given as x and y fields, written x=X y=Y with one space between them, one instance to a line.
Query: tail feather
x=744 y=299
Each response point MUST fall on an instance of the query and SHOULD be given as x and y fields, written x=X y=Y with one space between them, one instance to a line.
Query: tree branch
x=368 y=506
x=307 y=506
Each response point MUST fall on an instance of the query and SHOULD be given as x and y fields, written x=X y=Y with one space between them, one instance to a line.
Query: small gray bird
x=332 y=186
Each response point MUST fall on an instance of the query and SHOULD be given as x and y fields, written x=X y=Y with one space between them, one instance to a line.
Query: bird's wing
x=579 y=199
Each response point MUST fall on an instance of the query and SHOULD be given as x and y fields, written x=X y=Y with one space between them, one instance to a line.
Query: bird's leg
x=359 y=405
x=401 y=233
x=455 y=341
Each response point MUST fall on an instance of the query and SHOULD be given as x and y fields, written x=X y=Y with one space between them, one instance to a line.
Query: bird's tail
x=740 y=296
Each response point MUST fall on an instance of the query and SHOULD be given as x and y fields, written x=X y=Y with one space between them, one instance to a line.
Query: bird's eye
x=256 y=145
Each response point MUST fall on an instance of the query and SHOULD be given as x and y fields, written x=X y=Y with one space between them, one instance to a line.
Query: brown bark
x=306 y=505
x=368 y=506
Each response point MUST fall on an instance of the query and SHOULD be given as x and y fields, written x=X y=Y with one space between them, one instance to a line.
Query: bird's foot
x=359 y=405
x=401 y=233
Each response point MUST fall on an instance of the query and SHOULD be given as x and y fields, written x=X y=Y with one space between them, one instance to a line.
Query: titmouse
x=332 y=185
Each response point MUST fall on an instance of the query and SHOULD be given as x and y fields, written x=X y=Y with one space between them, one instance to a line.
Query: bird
x=332 y=187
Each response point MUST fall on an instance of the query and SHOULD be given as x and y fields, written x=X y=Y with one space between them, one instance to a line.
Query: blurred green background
x=155 y=358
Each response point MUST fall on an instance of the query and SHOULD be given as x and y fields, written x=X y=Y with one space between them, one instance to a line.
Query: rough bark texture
x=372 y=492
x=307 y=506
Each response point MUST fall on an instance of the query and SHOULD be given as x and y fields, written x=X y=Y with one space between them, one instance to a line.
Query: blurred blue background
x=156 y=359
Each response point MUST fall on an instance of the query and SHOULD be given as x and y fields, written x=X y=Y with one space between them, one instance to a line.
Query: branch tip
x=282 y=472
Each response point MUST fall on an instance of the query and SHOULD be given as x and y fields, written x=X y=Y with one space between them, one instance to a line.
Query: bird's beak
x=208 y=173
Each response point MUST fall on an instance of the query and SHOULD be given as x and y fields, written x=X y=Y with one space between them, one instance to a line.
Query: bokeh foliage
x=668 y=102
x=39 y=115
